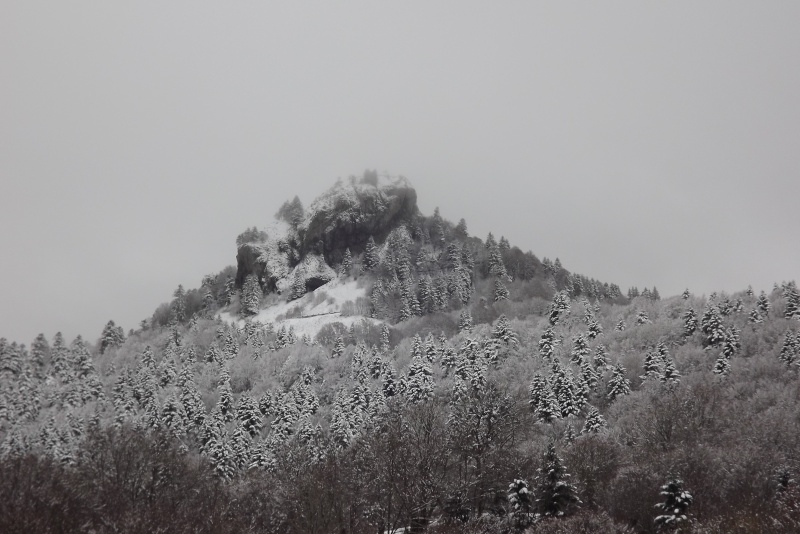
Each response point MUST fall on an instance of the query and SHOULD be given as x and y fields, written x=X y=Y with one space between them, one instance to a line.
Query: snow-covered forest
x=450 y=384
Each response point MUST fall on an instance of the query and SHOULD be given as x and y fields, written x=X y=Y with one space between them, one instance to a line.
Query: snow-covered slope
x=308 y=314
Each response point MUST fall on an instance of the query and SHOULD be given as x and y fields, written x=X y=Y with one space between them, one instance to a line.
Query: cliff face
x=343 y=217
x=349 y=213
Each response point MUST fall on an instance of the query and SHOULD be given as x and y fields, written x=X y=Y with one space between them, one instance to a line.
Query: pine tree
x=763 y=305
x=580 y=349
x=791 y=348
x=465 y=321
x=642 y=318
x=594 y=422
x=500 y=291
x=248 y=415
x=722 y=366
x=711 y=326
x=792 y=297
x=689 y=322
x=620 y=326
x=347 y=263
x=559 y=307
x=670 y=375
x=618 y=385
x=251 y=295
x=555 y=496
x=600 y=360
x=676 y=502
x=520 y=500
x=547 y=344
x=595 y=329
x=755 y=317
x=179 y=304
x=686 y=294
x=371 y=259
x=419 y=383
x=112 y=336
x=652 y=366
x=502 y=331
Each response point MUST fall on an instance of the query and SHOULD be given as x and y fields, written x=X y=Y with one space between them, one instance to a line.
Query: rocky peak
x=343 y=217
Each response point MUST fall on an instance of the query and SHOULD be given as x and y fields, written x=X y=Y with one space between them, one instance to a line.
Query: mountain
x=365 y=367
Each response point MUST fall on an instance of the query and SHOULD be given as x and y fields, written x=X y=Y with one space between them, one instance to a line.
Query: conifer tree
x=763 y=305
x=112 y=336
x=179 y=304
x=594 y=422
x=419 y=383
x=555 y=496
x=689 y=322
x=600 y=360
x=791 y=348
x=580 y=349
x=618 y=385
x=520 y=499
x=371 y=259
x=251 y=295
x=675 y=504
x=465 y=321
x=642 y=318
x=347 y=263
x=755 y=317
x=595 y=329
x=620 y=326
x=547 y=344
x=711 y=326
x=500 y=291
x=670 y=374
x=652 y=366
x=559 y=307
x=502 y=331
x=686 y=294
x=722 y=366
x=792 y=297
x=249 y=416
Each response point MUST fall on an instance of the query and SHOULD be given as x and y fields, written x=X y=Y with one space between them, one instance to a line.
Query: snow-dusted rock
x=312 y=273
x=352 y=211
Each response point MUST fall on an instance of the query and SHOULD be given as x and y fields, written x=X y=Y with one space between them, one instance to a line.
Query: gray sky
x=642 y=143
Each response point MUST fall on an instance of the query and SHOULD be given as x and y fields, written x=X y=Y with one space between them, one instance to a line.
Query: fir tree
x=465 y=321
x=251 y=295
x=620 y=326
x=763 y=305
x=618 y=385
x=112 y=336
x=686 y=294
x=676 y=502
x=500 y=291
x=689 y=322
x=555 y=496
x=670 y=374
x=594 y=422
x=722 y=366
x=595 y=329
x=502 y=331
x=547 y=344
x=791 y=348
x=642 y=318
x=419 y=383
x=179 y=304
x=347 y=263
x=792 y=297
x=652 y=366
x=371 y=259
x=711 y=326
x=521 y=502
x=600 y=360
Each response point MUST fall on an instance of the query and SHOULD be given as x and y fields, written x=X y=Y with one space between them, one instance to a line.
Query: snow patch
x=308 y=314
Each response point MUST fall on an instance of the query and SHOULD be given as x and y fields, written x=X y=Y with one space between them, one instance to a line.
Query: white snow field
x=308 y=314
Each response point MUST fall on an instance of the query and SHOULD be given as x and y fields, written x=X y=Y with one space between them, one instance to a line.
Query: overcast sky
x=642 y=143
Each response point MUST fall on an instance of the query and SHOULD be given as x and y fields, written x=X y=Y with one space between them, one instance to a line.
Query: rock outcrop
x=350 y=212
x=344 y=217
